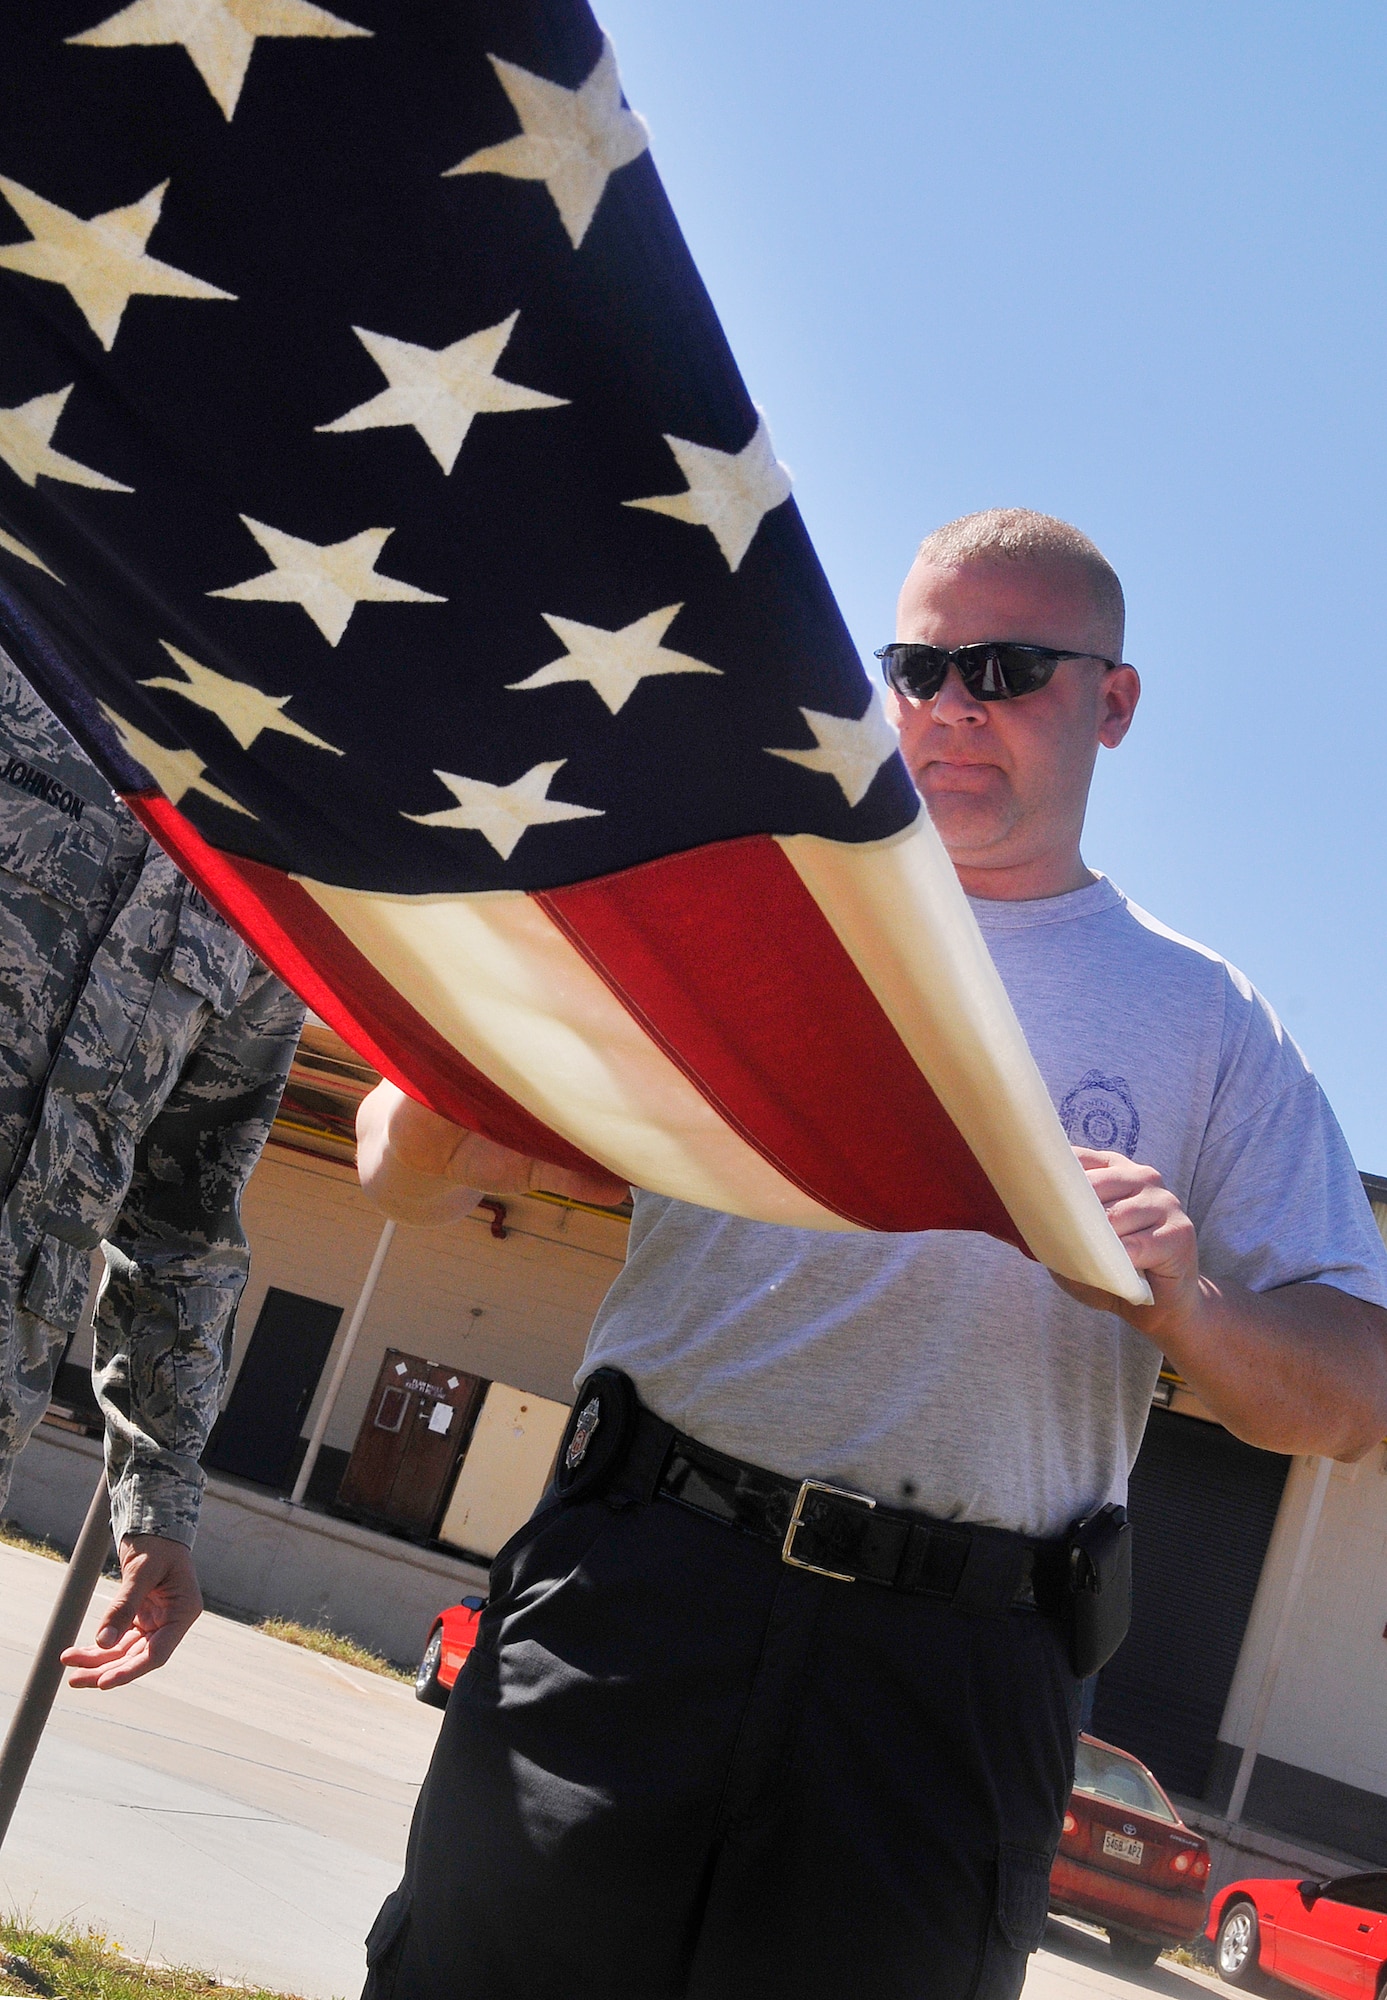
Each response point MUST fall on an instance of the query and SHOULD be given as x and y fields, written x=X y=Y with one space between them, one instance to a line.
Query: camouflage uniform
x=143 y=1050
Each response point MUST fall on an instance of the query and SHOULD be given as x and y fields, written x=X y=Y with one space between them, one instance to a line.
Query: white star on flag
x=329 y=579
x=175 y=772
x=503 y=813
x=25 y=433
x=614 y=663
x=246 y=712
x=729 y=492
x=439 y=390
x=101 y=262
x=17 y=548
x=219 y=35
x=851 y=753
x=572 y=140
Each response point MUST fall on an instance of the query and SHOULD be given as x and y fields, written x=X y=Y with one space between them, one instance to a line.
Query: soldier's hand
x=421 y=1168
x=157 y=1601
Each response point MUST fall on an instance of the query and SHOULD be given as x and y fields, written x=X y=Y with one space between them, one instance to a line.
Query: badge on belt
x=598 y=1433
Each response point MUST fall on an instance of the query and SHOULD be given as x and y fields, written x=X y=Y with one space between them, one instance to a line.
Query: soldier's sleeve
x=178 y=1261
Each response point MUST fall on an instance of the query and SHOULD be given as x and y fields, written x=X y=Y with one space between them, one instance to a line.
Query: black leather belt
x=616 y=1446
x=852 y=1538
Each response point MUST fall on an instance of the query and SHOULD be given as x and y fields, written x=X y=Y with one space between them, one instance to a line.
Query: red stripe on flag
x=732 y=968
x=295 y=936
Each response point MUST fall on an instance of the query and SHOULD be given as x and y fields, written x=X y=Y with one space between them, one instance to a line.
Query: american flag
x=381 y=506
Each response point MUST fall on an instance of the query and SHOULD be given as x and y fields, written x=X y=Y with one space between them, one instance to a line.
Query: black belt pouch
x=1098 y=1588
x=598 y=1435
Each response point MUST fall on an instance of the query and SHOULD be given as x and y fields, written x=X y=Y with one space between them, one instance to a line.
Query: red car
x=1126 y=1859
x=1328 y=1938
x=452 y=1638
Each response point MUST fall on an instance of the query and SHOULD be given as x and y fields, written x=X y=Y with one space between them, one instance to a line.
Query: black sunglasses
x=993 y=670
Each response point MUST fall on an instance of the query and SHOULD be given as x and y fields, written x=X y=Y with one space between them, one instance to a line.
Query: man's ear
x=1119 y=695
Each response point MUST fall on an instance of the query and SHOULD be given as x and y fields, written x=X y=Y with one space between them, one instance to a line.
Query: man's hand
x=157 y=1601
x=423 y=1169
x=1157 y=1235
x=1300 y=1368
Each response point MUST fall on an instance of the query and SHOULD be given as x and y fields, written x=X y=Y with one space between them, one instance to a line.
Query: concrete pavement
x=243 y=1810
x=1074 y=1964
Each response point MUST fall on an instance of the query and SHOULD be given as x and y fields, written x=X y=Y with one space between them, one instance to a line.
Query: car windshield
x=1102 y=1774
x=1364 y=1892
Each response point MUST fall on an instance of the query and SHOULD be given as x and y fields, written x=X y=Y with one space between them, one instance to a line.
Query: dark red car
x=1126 y=1859
x=1328 y=1938
x=452 y=1638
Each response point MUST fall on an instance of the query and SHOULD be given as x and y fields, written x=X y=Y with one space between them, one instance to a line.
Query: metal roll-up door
x=1202 y=1505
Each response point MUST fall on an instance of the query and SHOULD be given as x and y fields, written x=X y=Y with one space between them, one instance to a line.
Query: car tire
x=427 y=1687
x=1237 y=1955
x=1133 y=1951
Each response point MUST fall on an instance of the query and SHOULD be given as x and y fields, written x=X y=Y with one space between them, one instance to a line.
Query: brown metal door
x=416 y=1426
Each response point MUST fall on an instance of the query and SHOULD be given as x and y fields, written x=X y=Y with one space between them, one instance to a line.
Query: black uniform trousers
x=676 y=1766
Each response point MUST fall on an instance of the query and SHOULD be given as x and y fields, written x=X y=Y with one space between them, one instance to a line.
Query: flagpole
x=35 y=1704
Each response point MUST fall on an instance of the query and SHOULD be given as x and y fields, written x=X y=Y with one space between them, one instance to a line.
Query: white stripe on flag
x=499 y=981
x=901 y=916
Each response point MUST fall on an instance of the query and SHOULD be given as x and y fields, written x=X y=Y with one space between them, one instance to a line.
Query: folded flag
x=382 y=508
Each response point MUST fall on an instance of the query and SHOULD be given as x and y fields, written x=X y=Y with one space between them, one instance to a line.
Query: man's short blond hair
x=1017 y=534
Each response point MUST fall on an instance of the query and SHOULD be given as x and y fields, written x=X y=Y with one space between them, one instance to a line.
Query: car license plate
x=1122 y=1849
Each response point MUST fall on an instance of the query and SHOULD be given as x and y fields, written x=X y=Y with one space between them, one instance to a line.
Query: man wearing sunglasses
x=698 y=1754
x=1004 y=684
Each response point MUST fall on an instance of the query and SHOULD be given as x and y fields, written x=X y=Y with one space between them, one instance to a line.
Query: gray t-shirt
x=945 y=1370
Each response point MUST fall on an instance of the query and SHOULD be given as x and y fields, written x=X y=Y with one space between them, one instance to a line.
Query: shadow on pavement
x=1081 y=1946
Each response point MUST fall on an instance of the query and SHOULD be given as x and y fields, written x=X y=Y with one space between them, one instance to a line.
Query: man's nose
x=954 y=706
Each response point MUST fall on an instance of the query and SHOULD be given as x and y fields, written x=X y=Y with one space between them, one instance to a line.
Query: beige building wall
x=516 y=1311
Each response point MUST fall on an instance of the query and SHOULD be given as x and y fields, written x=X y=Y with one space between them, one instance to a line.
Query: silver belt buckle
x=787 y=1554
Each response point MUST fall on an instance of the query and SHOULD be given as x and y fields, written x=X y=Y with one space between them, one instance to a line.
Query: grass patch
x=86 y=1965
x=318 y=1639
x=12 y=1536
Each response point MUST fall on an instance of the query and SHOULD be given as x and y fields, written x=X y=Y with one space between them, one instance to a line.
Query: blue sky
x=1124 y=263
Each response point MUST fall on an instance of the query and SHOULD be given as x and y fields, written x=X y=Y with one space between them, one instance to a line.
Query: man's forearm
x=423 y=1169
x=410 y=1195
x=1299 y=1368
x=157 y=1372
x=405 y=1159
x=1302 y=1369
x=177 y=1257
